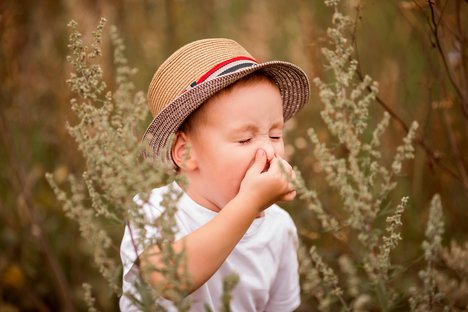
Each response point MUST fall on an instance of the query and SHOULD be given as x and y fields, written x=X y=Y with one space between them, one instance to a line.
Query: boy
x=227 y=111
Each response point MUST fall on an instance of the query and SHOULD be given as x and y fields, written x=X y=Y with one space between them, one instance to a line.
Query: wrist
x=252 y=201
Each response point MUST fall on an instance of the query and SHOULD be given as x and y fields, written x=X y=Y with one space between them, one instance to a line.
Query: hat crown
x=186 y=66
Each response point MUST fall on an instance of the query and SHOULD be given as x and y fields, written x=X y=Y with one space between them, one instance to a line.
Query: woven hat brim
x=291 y=80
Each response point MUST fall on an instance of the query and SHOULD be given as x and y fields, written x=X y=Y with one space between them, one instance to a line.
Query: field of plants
x=382 y=210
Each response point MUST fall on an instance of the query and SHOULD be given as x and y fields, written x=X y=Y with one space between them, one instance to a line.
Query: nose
x=269 y=149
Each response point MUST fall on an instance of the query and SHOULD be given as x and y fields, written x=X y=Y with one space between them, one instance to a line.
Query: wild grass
x=360 y=277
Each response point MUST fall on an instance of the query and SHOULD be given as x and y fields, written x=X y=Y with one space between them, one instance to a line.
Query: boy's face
x=235 y=125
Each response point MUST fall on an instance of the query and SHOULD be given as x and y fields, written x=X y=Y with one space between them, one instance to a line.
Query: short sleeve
x=285 y=292
x=129 y=252
x=129 y=249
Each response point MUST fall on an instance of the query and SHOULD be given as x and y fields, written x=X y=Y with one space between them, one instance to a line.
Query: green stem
x=382 y=295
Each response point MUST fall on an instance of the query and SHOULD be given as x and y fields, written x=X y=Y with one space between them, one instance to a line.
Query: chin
x=227 y=195
x=225 y=200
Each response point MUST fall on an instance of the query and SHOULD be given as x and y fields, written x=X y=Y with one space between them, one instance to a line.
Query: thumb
x=259 y=162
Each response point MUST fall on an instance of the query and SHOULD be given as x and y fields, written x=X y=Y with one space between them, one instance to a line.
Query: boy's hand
x=268 y=183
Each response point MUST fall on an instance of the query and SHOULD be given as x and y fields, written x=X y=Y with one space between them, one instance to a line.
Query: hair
x=198 y=116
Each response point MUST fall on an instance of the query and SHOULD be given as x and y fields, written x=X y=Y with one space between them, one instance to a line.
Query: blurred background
x=417 y=52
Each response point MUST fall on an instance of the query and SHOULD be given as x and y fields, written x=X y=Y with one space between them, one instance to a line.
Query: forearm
x=209 y=246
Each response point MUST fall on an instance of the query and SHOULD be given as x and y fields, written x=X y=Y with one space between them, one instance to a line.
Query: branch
x=435 y=31
x=456 y=149
x=432 y=155
x=462 y=39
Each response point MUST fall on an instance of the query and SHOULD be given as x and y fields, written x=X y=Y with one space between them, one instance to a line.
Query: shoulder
x=280 y=222
x=154 y=197
x=279 y=215
x=151 y=203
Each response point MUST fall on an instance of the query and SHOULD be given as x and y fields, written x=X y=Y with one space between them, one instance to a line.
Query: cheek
x=230 y=176
x=279 y=149
x=239 y=162
x=245 y=159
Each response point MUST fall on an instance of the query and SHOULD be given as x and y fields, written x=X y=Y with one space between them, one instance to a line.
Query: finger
x=289 y=196
x=274 y=163
x=259 y=163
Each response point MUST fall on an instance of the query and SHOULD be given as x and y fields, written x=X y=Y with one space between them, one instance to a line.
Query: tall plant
x=361 y=279
x=364 y=277
x=116 y=172
x=361 y=181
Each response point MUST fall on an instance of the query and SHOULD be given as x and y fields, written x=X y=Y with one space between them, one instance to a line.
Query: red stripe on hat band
x=224 y=63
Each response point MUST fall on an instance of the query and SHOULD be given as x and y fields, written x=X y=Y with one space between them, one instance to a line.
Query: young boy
x=227 y=112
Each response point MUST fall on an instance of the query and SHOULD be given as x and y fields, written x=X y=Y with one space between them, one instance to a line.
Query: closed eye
x=244 y=141
x=275 y=137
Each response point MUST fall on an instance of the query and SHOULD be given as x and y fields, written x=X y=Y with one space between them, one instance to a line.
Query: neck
x=198 y=197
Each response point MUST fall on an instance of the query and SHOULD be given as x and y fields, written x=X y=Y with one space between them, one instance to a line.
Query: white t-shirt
x=265 y=260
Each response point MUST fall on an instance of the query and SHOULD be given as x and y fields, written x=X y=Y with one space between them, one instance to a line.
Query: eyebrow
x=253 y=127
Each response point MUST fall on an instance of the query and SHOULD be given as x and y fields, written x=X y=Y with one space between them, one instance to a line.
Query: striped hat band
x=226 y=67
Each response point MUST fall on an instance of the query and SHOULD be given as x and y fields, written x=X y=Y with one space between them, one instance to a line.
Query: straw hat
x=197 y=71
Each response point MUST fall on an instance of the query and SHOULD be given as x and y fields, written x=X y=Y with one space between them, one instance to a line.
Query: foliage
x=363 y=185
x=115 y=168
x=361 y=181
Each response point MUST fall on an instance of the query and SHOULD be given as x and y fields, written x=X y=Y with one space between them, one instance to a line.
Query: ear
x=182 y=153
